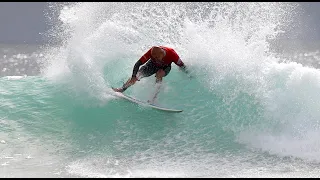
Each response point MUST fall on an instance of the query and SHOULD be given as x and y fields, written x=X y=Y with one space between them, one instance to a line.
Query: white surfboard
x=119 y=94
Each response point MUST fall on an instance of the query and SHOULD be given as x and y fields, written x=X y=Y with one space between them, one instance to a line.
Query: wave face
x=247 y=112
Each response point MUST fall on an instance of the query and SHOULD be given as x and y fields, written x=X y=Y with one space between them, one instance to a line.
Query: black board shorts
x=150 y=68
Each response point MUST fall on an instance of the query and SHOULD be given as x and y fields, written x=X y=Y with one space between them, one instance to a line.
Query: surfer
x=157 y=61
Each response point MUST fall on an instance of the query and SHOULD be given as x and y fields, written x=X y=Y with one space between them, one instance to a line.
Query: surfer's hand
x=185 y=70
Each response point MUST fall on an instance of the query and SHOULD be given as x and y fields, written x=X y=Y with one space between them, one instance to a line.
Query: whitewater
x=248 y=111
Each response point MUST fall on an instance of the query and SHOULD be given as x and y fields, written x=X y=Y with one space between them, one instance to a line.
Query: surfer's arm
x=141 y=61
x=185 y=70
x=136 y=68
x=182 y=66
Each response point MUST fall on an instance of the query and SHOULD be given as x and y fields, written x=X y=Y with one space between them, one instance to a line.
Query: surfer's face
x=157 y=54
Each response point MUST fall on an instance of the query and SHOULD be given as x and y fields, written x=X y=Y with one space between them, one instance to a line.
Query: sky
x=23 y=22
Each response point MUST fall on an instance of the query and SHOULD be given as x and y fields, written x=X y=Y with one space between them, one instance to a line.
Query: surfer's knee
x=140 y=75
x=158 y=80
x=160 y=73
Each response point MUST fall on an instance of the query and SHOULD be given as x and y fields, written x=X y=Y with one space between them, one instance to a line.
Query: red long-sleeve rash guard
x=170 y=56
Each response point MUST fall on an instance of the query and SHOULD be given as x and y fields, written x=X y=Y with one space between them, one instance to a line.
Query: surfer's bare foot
x=118 y=89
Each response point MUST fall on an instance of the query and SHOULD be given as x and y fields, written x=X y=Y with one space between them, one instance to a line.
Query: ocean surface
x=250 y=110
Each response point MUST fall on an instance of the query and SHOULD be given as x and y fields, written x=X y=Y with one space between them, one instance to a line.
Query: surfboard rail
x=137 y=101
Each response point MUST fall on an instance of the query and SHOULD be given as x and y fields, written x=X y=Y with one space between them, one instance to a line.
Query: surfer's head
x=157 y=53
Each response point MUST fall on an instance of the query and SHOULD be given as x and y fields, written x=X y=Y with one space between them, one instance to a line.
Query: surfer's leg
x=124 y=86
x=162 y=73
x=145 y=71
x=157 y=90
x=159 y=75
